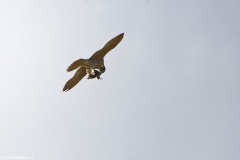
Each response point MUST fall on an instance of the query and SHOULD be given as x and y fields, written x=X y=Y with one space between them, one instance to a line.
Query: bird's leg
x=88 y=71
x=92 y=71
x=96 y=74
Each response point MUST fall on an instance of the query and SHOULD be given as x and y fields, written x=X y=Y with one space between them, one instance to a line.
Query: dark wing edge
x=108 y=46
x=80 y=73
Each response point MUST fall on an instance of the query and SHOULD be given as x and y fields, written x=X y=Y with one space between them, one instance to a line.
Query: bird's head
x=102 y=69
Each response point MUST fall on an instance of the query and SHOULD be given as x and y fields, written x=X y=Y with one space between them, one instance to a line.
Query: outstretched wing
x=108 y=46
x=80 y=73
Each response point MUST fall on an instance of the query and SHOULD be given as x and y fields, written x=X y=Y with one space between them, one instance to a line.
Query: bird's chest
x=95 y=62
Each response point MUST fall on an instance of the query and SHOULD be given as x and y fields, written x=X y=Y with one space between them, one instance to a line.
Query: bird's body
x=90 y=64
x=87 y=66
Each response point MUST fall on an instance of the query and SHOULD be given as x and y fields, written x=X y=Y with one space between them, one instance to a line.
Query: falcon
x=89 y=66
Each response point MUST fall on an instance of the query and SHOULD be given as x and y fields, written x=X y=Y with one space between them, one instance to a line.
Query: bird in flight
x=89 y=66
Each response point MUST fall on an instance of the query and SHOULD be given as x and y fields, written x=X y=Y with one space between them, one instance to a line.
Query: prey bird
x=96 y=74
x=87 y=66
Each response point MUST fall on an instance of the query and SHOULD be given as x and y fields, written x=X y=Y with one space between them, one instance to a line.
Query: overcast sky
x=171 y=90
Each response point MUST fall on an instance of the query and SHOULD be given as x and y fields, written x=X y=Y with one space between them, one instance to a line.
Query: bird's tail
x=76 y=64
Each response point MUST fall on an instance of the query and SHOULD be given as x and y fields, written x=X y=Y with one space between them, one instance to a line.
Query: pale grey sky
x=171 y=90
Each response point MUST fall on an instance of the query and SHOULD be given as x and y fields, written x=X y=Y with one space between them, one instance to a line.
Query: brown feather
x=76 y=64
x=108 y=46
x=80 y=73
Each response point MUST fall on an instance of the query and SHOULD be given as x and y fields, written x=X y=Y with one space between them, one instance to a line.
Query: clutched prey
x=94 y=75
